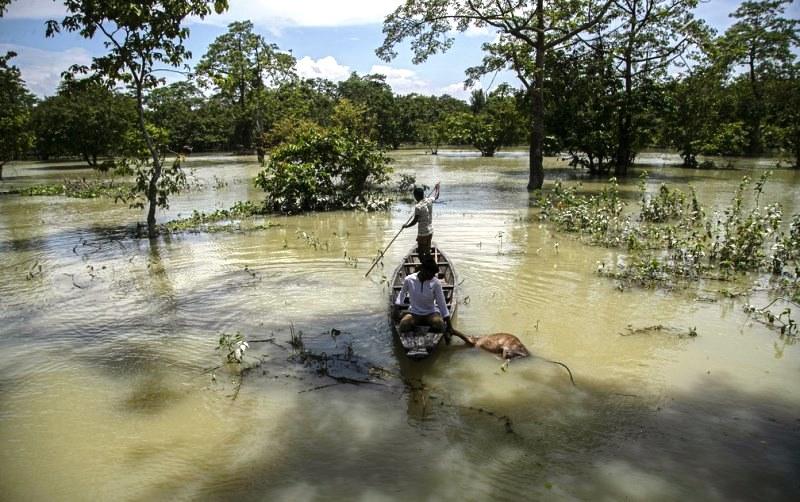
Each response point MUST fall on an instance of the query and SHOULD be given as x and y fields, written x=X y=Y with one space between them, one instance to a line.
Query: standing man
x=423 y=216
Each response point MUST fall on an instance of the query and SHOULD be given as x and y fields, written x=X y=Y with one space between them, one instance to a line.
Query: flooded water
x=111 y=386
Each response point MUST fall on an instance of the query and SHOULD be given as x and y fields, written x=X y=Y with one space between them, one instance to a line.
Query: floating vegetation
x=211 y=222
x=660 y=328
x=80 y=189
x=671 y=240
x=350 y=261
x=233 y=346
x=782 y=321
x=312 y=240
x=35 y=271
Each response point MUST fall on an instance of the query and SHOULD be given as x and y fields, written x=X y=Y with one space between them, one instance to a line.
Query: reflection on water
x=111 y=384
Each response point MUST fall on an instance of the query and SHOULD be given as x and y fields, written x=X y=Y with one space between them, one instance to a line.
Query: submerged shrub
x=323 y=170
x=673 y=239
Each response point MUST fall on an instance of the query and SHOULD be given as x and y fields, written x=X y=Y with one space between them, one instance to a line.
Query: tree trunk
x=796 y=157
x=536 y=179
x=1 y=170
x=623 y=157
x=155 y=173
x=754 y=146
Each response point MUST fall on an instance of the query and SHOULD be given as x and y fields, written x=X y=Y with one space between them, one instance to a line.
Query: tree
x=761 y=41
x=241 y=65
x=582 y=90
x=522 y=29
x=15 y=110
x=84 y=119
x=494 y=122
x=139 y=37
x=322 y=169
x=785 y=112
x=372 y=92
x=645 y=38
x=176 y=109
x=692 y=112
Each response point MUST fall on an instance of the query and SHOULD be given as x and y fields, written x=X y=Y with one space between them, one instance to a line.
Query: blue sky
x=329 y=38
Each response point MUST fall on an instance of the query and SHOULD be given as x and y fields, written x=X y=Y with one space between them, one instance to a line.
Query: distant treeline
x=733 y=94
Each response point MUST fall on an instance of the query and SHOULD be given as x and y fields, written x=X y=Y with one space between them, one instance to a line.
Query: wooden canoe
x=420 y=343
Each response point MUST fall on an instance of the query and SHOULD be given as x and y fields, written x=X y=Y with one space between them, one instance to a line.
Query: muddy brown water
x=107 y=386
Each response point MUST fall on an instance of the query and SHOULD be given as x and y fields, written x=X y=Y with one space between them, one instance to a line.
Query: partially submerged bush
x=673 y=239
x=322 y=170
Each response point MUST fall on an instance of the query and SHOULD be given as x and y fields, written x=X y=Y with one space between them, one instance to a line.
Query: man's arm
x=412 y=222
x=442 y=304
x=401 y=296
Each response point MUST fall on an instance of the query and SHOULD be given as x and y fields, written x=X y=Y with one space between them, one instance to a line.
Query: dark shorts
x=424 y=244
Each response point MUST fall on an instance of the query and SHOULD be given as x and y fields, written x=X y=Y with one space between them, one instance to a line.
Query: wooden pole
x=388 y=245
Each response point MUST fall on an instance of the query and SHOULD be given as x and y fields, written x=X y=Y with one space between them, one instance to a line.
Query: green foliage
x=139 y=37
x=728 y=139
x=15 y=111
x=241 y=65
x=762 y=42
x=666 y=205
x=239 y=211
x=85 y=119
x=324 y=170
x=524 y=30
x=188 y=118
x=233 y=346
x=673 y=239
x=354 y=119
x=81 y=189
x=373 y=94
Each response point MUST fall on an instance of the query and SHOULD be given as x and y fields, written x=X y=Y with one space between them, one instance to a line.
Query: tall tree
x=84 y=119
x=241 y=64
x=15 y=111
x=176 y=109
x=645 y=37
x=372 y=92
x=760 y=41
x=523 y=28
x=140 y=38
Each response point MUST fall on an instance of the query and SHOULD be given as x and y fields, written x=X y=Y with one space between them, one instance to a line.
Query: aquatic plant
x=312 y=240
x=80 y=189
x=782 y=321
x=674 y=239
x=233 y=346
x=200 y=220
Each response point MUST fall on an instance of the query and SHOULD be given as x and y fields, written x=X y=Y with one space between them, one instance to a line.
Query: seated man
x=423 y=289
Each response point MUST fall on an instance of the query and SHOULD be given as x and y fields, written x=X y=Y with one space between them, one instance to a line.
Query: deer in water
x=506 y=345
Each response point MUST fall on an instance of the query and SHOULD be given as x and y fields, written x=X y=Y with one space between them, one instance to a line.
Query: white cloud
x=274 y=14
x=457 y=90
x=35 y=9
x=42 y=69
x=475 y=31
x=326 y=67
x=403 y=81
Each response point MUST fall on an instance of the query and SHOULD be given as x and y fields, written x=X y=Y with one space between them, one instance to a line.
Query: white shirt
x=424 y=214
x=422 y=296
